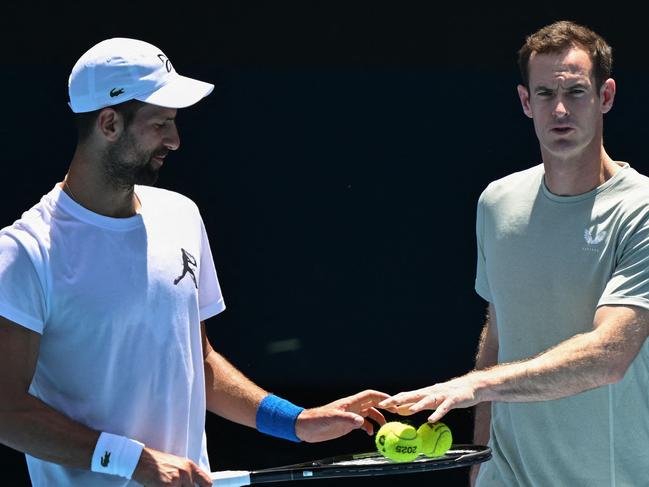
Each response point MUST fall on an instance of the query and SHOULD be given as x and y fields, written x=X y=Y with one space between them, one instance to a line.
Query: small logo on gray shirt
x=593 y=238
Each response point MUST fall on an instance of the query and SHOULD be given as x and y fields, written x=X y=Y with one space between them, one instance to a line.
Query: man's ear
x=524 y=96
x=110 y=124
x=607 y=95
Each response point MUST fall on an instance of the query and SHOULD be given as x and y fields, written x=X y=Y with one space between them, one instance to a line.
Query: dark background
x=337 y=165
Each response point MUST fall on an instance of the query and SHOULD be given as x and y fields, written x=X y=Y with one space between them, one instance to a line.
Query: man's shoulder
x=31 y=232
x=629 y=198
x=634 y=181
x=520 y=183
x=164 y=198
x=33 y=223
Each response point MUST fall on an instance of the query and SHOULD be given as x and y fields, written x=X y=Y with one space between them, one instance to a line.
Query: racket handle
x=230 y=478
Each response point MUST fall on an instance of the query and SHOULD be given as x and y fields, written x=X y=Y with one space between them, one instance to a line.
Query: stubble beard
x=125 y=164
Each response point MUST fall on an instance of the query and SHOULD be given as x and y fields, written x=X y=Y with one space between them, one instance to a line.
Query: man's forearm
x=229 y=393
x=578 y=364
x=33 y=427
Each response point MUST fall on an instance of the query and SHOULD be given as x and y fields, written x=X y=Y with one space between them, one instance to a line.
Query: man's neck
x=85 y=184
x=578 y=175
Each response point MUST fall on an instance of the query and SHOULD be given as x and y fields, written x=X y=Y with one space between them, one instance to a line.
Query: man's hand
x=456 y=393
x=340 y=417
x=159 y=469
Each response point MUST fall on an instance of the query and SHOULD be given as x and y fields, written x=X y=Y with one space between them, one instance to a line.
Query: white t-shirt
x=118 y=303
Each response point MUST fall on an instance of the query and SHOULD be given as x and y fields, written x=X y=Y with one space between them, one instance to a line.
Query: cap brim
x=179 y=92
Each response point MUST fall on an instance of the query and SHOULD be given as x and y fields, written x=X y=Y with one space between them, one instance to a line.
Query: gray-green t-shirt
x=546 y=263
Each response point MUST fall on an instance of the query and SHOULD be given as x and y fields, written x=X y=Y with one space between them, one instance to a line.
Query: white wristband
x=116 y=455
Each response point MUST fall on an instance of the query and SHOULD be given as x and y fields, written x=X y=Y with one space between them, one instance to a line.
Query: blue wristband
x=277 y=416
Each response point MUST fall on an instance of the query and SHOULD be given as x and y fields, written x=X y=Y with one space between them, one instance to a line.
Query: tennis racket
x=359 y=465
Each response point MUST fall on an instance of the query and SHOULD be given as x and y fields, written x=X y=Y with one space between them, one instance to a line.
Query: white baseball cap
x=117 y=70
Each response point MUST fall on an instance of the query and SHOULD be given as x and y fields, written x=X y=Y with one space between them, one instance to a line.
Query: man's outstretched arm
x=585 y=361
x=233 y=396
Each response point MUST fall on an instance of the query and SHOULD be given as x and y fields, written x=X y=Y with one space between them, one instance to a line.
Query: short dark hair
x=85 y=122
x=559 y=36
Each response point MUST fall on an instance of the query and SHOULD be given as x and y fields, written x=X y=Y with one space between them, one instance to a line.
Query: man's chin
x=147 y=177
x=564 y=148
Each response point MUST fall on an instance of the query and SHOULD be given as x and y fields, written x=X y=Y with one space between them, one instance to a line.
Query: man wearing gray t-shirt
x=562 y=373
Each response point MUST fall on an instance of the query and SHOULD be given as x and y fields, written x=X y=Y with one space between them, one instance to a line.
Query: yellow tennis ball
x=436 y=439
x=398 y=441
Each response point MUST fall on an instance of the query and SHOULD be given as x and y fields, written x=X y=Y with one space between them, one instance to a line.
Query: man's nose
x=172 y=139
x=560 y=109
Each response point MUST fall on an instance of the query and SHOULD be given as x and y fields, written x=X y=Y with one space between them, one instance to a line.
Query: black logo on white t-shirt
x=188 y=261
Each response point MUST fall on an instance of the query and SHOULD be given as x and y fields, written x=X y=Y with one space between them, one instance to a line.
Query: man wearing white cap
x=105 y=368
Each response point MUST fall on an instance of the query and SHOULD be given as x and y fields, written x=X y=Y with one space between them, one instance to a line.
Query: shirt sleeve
x=22 y=299
x=210 y=299
x=629 y=283
x=481 y=280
